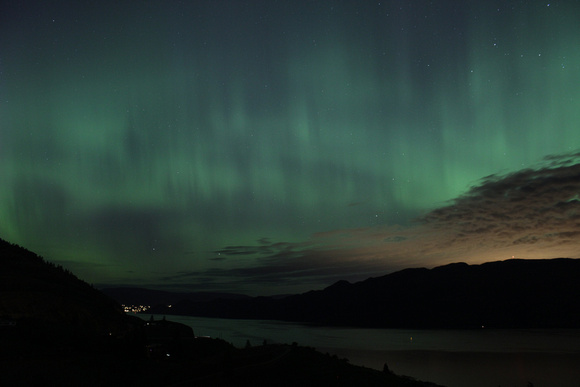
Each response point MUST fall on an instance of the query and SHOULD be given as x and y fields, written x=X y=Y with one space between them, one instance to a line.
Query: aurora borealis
x=278 y=146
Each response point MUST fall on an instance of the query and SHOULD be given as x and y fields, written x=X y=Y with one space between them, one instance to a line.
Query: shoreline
x=454 y=358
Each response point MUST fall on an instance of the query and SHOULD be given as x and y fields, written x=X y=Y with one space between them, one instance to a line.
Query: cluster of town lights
x=135 y=308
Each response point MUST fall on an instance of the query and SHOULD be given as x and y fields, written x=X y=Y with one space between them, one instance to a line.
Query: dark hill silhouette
x=141 y=296
x=515 y=293
x=32 y=289
x=56 y=330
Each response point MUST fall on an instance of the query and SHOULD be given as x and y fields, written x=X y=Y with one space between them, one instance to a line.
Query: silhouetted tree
x=386 y=369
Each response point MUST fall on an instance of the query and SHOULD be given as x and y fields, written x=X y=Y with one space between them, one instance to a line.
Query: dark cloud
x=526 y=206
x=533 y=213
x=265 y=247
x=395 y=239
x=282 y=273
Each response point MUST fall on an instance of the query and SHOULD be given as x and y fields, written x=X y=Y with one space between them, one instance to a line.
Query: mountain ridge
x=515 y=293
x=55 y=329
x=132 y=295
x=34 y=289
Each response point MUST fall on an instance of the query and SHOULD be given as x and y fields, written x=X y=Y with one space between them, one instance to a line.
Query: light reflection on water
x=455 y=358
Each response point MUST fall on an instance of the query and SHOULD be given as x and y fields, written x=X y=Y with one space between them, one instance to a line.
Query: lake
x=454 y=358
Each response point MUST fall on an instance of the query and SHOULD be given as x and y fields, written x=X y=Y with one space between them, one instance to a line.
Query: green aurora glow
x=140 y=142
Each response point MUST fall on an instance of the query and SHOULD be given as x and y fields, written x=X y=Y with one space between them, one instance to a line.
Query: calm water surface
x=454 y=358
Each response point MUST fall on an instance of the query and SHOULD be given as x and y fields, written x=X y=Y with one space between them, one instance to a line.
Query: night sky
x=270 y=147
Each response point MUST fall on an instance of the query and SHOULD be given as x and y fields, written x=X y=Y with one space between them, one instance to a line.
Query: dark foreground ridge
x=515 y=293
x=56 y=330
